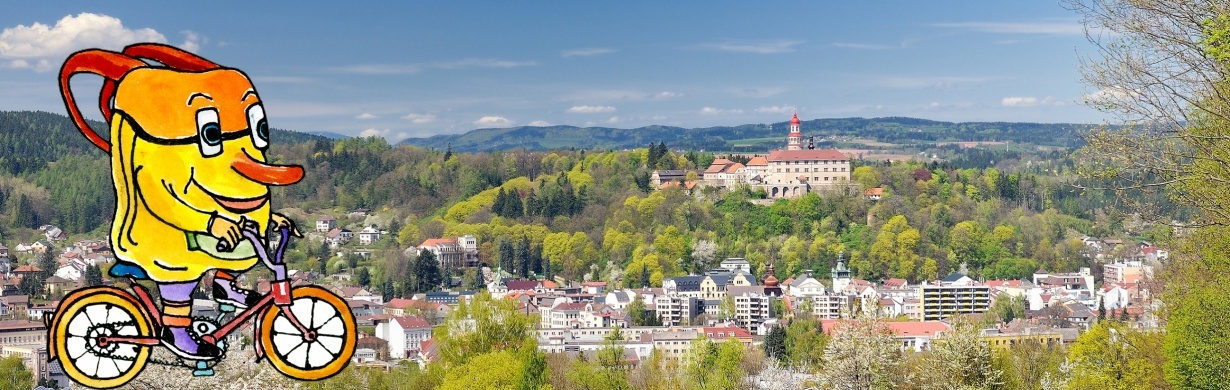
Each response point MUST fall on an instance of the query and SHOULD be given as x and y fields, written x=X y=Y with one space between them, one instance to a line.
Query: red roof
x=399 y=303
x=27 y=268
x=758 y=160
x=795 y=120
x=803 y=155
x=594 y=284
x=723 y=332
x=906 y=329
x=412 y=322
x=439 y=241
x=873 y=191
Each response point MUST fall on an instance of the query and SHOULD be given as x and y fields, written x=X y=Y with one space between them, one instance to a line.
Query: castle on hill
x=787 y=173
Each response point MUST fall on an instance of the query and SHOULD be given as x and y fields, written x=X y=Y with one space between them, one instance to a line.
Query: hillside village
x=574 y=316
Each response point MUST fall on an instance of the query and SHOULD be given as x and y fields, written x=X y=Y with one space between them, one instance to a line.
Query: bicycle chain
x=179 y=361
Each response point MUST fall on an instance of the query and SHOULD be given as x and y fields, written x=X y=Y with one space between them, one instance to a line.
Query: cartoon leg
x=177 y=318
x=229 y=295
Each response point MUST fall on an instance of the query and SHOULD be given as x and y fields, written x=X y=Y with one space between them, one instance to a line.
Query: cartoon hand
x=280 y=221
x=225 y=230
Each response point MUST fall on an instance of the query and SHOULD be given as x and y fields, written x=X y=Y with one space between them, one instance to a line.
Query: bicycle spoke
x=303 y=310
x=298 y=356
x=76 y=347
x=283 y=325
x=107 y=371
x=79 y=325
x=333 y=327
x=85 y=362
x=94 y=312
x=321 y=312
x=331 y=343
x=286 y=343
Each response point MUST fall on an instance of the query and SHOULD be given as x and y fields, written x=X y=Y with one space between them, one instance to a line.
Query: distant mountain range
x=841 y=132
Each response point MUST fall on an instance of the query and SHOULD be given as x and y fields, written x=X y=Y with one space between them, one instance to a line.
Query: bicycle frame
x=279 y=295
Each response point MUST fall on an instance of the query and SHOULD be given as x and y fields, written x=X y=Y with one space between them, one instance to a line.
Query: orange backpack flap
x=111 y=66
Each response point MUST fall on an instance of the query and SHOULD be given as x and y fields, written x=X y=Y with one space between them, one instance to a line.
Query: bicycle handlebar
x=251 y=232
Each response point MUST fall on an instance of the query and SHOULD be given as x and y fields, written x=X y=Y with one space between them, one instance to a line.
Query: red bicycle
x=103 y=336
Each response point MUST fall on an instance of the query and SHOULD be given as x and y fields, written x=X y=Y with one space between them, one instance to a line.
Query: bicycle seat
x=123 y=269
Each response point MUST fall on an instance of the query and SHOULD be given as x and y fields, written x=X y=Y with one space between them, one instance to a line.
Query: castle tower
x=795 y=140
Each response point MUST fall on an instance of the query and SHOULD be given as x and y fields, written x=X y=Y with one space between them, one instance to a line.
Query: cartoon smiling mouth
x=235 y=205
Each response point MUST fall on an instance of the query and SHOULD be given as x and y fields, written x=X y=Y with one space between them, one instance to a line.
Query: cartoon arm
x=161 y=200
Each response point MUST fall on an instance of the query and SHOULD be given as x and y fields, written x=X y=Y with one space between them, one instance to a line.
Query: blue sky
x=416 y=69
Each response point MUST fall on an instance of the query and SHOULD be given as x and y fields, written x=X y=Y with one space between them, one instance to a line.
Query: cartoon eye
x=259 y=126
x=209 y=132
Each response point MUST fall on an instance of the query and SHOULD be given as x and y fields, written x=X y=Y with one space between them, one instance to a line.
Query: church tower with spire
x=795 y=140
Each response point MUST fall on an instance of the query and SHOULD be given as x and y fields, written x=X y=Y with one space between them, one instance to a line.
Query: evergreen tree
x=497 y=208
x=644 y=277
x=47 y=261
x=536 y=262
x=508 y=256
x=448 y=153
x=651 y=160
x=513 y=207
x=386 y=289
x=426 y=271
x=775 y=343
x=93 y=275
x=1101 y=309
x=523 y=257
x=364 y=277
x=23 y=213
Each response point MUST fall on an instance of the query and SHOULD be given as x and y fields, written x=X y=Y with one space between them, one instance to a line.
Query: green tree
x=364 y=277
x=93 y=275
x=960 y=360
x=427 y=275
x=1113 y=356
x=480 y=326
x=775 y=343
x=14 y=375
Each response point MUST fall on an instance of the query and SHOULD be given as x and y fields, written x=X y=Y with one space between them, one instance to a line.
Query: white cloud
x=777 y=110
x=1042 y=28
x=420 y=119
x=1110 y=95
x=36 y=43
x=494 y=121
x=665 y=95
x=1019 y=101
x=1030 y=101
x=192 y=41
x=756 y=47
x=586 y=52
x=366 y=115
x=719 y=111
x=374 y=133
x=613 y=120
x=540 y=123
x=591 y=109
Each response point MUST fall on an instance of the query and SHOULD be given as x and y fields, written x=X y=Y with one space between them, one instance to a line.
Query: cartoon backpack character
x=187 y=143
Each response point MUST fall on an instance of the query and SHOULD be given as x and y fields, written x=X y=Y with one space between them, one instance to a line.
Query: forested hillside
x=895 y=130
x=592 y=214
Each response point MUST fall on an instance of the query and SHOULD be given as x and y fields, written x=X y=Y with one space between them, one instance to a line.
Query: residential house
x=956 y=294
x=663 y=176
x=873 y=193
x=56 y=285
x=595 y=288
x=728 y=331
x=685 y=285
x=16 y=305
x=676 y=309
x=736 y=264
x=752 y=307
x=325 y=224
x=453 y=252
x=364 y=308
x=405 y=335
x=358 y=293
x=338 y=236
x=368 y=235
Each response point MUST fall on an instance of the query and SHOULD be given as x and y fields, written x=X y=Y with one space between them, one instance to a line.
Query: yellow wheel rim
x=90 y=313
x=320 y=311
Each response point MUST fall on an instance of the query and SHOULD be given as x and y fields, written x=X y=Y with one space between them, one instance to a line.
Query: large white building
x=785 y=173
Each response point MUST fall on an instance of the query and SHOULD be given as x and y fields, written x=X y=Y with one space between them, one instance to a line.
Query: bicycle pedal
x=202 y=369
x=226 y=308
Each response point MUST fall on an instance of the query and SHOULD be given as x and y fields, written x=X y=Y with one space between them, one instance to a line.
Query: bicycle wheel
x=83 y=317
x=292 y=353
